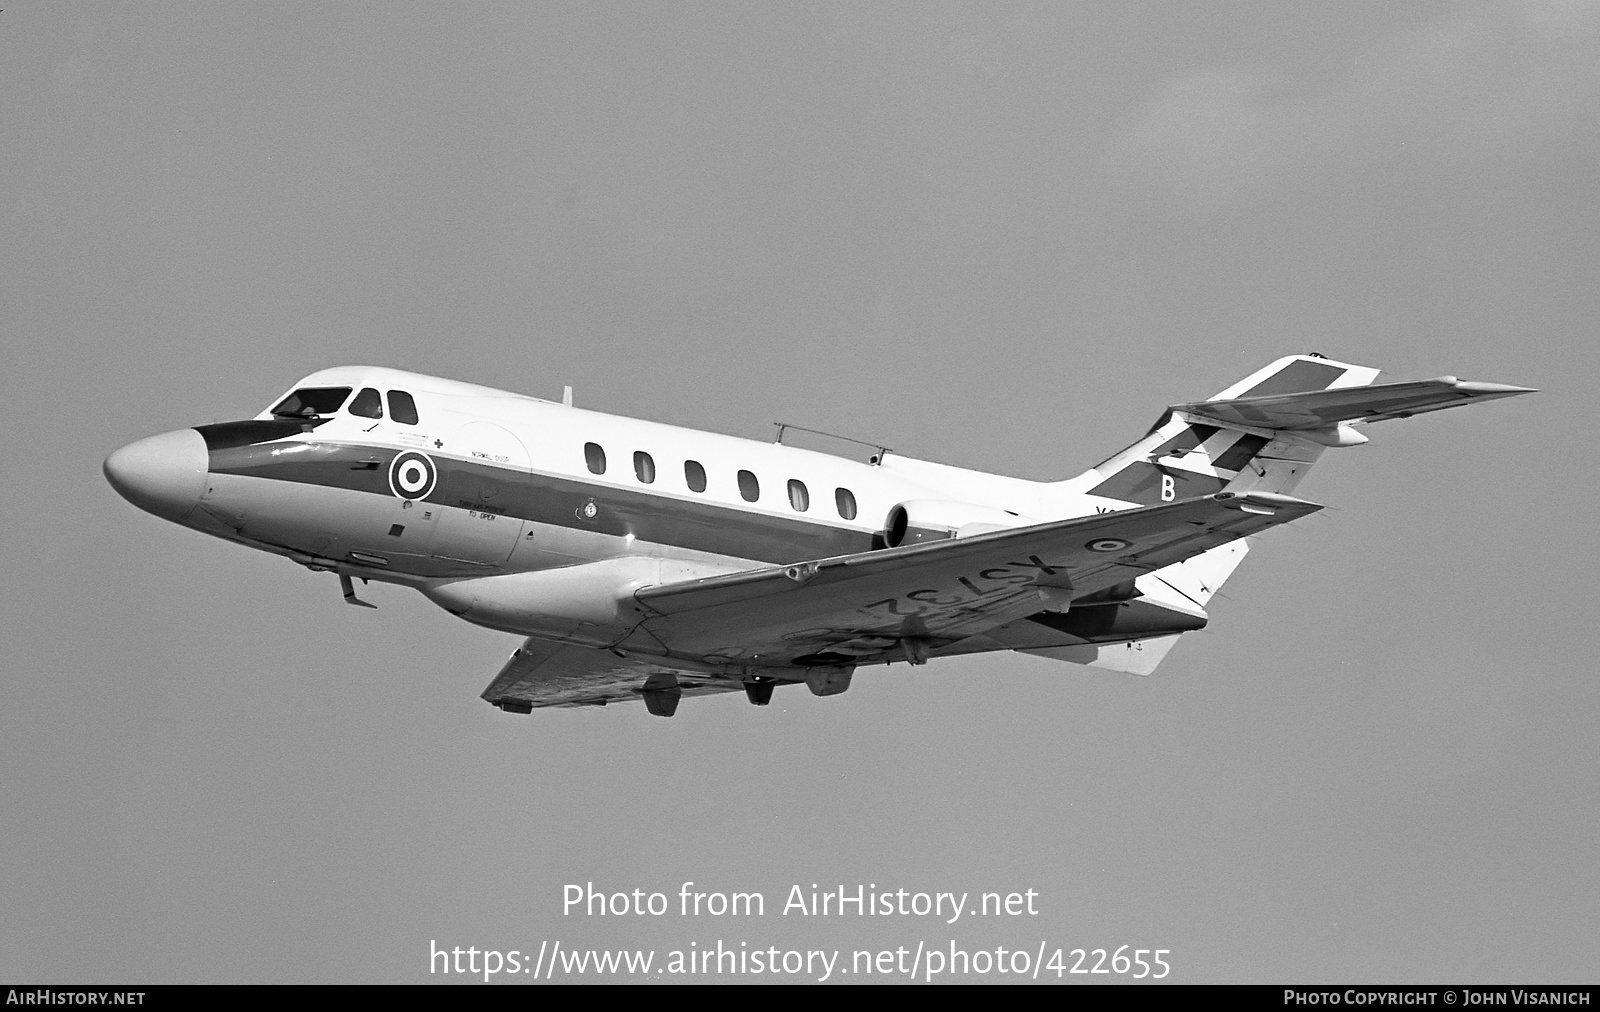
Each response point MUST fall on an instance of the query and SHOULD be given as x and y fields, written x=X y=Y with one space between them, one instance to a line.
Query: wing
x=913 y=600
x=543 y=673
x=785 y=624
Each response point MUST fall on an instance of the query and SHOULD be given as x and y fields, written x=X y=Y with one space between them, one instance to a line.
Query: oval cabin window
x=644 y=467
x=595 y=457
x=694 y=475
x=749 y=488
x=846 y=501
x=799 y=496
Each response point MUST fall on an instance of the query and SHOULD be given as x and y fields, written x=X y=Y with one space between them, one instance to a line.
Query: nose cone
x=164 y=474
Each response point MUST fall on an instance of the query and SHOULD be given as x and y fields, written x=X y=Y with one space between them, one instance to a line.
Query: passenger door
x=480 y=485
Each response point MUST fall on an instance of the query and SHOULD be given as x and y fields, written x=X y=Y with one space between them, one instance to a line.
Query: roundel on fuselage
x=412 y=475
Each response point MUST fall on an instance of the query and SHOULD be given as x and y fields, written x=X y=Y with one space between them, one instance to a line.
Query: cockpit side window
x=367 y=404
x=402 y=408
x=311 y=402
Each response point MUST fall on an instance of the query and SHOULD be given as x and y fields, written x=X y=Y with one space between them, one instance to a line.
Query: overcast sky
x=999 y=236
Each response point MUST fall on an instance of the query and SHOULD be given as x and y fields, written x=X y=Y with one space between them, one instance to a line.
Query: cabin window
x=846 y=501
x=595 y=457
x=310 y=402
x=644 y=468
x=694 y=475
x=402 y=408
x=367 y=404
x=799 y=497
x=749 y=487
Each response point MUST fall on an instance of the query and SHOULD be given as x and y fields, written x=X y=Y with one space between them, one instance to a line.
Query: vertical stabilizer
x=1186 y=454
x=1261 y=434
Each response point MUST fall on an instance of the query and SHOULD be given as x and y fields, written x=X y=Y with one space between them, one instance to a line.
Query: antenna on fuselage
x=876 y=458
x=566 y=396
x=349 y=588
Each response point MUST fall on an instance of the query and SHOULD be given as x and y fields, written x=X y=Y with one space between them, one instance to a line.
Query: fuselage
x=412 y=479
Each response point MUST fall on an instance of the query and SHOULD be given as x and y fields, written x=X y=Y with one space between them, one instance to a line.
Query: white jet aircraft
x=648 y=561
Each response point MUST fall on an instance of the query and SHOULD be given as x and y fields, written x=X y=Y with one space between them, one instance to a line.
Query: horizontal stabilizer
x=1322 y=409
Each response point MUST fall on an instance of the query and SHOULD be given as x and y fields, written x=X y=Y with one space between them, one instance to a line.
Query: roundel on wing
x=412 y=475
x=1106 y=545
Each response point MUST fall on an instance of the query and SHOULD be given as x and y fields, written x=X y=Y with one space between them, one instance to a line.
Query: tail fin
x=1264 y=432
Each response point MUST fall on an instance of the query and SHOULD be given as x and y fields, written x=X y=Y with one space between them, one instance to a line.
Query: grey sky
x=996 y=238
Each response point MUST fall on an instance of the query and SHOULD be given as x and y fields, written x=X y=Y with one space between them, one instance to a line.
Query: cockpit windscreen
x=310 y=402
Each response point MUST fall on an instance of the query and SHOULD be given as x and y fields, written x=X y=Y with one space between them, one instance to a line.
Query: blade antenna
x=349 y=589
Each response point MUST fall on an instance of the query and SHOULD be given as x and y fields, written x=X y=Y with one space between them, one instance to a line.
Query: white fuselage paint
x=491 y=505
x=528 y=436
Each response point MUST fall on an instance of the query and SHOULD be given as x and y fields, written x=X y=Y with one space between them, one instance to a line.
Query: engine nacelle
x=919 y=520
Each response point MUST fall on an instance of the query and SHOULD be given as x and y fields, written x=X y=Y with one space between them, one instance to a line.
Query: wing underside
x=543 y=673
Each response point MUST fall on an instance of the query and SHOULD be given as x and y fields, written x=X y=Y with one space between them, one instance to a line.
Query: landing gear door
x=480 y=484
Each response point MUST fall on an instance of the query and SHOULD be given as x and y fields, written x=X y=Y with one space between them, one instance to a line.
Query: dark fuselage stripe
x=1142 y=482
x=1297 y=377
x=552 y=499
